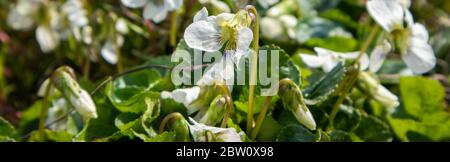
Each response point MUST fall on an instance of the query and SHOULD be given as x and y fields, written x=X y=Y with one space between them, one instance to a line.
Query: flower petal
x=203 y=35
x=173 y=4
x=388 y=13
x=108 y=53
x=420 y=56
x=312 y=61
x=186 y=95
x=201 y=15
x=379 y=55
x=134 y=3
x=155 y=12
x=47 y=38
x=419 y=31
x=245 y=38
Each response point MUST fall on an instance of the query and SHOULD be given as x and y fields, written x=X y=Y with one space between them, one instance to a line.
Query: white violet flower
x=155 y=10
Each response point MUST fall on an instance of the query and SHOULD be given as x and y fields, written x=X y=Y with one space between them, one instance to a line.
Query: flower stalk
x=44 y=110
x=261 y=117
x=254 y=66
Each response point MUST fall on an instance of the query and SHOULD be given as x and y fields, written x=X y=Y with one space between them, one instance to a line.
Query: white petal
x=385 y=97
x=245 y=38
x=419 y=31
x=109 y=53
x=420 y=56
x=388 y=13
x=201 y=15
x=329 y=64
x=47 y=38
x=304 y=116
x=312 y=61
x=203 y=35
x=330 y=58
x=121 y=26
x=84 y=104
x=155 y=12
x=223 y=17
x=186 y=95
x=379 y=55
x=364 y=62
x=173 y=4
x=134 y=3
x=227 y=72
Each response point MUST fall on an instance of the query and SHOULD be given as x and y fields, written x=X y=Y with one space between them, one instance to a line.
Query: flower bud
x=293 y=101
x=63 y=79
x=377 y=91
x=215 y=112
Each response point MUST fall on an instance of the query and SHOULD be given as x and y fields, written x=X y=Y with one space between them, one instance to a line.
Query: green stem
x=346 y=87
x=167 y=119
x=173 y=29
x=261 y=117
x=229 y=104
x=44 y=110
x=254 y=66
x=367 y=43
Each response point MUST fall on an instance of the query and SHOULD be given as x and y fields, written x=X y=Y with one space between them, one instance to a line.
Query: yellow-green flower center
x=230 y=29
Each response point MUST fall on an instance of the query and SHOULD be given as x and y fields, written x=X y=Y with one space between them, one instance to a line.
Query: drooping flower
x=377 y=91
x=204 y=133
x=212 y=33
x=409 y=39
x=155 y=10
x=328 y=59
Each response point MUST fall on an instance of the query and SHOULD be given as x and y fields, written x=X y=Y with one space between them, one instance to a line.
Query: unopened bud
x=64 y=80
x=293 y=101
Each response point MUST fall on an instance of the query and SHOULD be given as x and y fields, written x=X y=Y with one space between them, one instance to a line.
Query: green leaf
x=411 y=130
x=421 y=96
x=163 y=137
x=51 y=136
x=287 y=68
x=295 y=133
x=372 y=129
x=325 y=86
x=269 y=129
x=339 y=136
x=6 y=129
x=422 y=116
x=127 y=93
x=104 y=125
x=347 y=119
